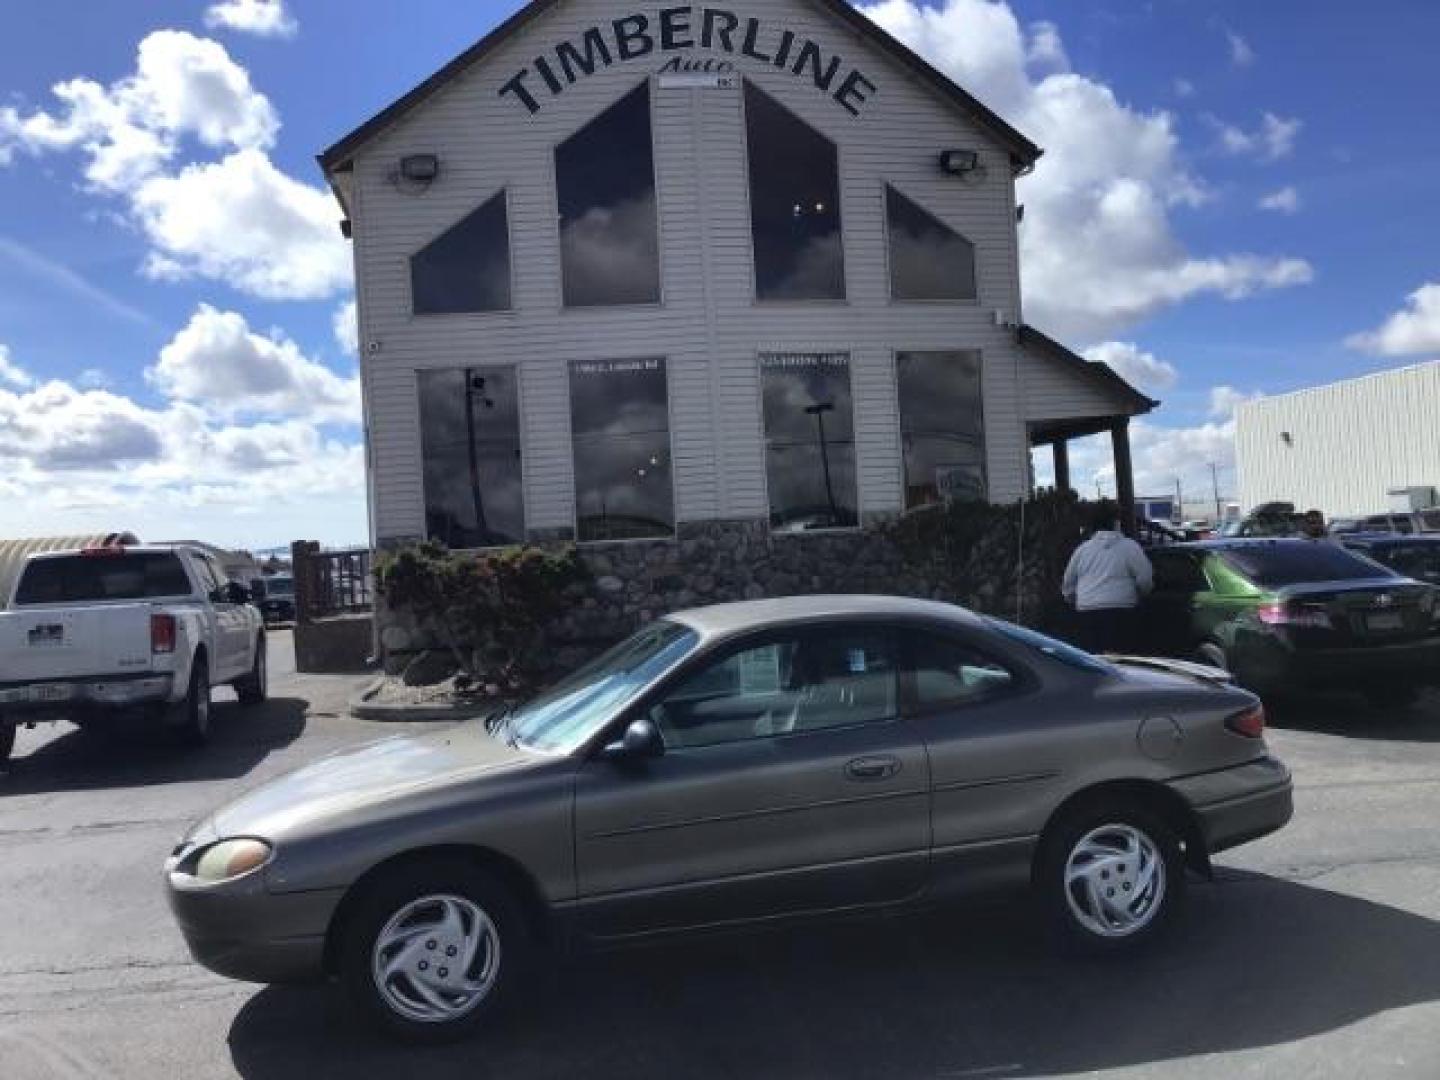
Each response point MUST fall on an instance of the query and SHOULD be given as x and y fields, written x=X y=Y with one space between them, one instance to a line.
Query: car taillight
x=1281 y=614
x=162 y=634
x=1250 y=723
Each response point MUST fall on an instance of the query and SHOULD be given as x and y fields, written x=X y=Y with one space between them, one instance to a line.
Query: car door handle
x=873 y=768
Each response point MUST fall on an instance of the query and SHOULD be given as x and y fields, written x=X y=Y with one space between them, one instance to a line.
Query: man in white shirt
x=1107 y=578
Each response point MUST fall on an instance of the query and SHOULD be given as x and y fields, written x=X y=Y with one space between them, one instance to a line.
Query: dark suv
x=1286 y=615
x=1416 y=557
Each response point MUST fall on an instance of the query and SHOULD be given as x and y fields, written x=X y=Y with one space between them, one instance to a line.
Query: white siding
x=709 y=327
x=1349 y=444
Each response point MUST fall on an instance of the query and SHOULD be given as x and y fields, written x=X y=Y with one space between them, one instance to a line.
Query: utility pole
x=1215 y=479
x=1179 y=502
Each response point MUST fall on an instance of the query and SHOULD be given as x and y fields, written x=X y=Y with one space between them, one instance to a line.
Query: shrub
x=491 y=610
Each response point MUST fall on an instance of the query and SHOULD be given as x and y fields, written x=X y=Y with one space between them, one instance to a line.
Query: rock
x=428 y=669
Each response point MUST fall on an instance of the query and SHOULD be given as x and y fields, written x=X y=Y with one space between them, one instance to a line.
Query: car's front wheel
x=7 y=741
x=432 y=950
x=1111 y=876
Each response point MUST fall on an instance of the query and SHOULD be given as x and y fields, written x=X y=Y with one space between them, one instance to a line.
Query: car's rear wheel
x=7 y=741
x=1111 y=876
x=253 y=688
x=431 y=951
x=193 y=720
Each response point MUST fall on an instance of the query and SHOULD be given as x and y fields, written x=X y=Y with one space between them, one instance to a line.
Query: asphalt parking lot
x=1316 y=953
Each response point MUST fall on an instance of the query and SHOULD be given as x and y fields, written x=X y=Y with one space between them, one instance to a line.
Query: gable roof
x=1023 y=152
x=1129 y=401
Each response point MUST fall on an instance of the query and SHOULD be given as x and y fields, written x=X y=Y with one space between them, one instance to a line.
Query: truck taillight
x=162 y=634
x=1250 y=723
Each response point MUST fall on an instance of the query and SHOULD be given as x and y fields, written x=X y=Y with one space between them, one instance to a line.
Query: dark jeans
x=1109 y=630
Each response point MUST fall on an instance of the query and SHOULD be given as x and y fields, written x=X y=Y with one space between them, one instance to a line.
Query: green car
x=1285 y=615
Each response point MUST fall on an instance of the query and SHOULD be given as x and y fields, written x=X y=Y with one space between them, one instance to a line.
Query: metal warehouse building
x=629 y=269
x=1343 y=448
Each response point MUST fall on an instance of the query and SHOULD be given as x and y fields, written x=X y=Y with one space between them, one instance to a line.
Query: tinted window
x=279 y=586
x=790 y=685
x=134 y=576
x=620 y=418
x=1047 y=646
x=794 y=205
x=575 y=709
x=466 y=268
x=809 y=441
x=1273 y=566
x=1178 y=573
x=609 y=239
x=950 y=672
x=928 y=259
x=942 y=426
x=1418 y=561
x=470 y=439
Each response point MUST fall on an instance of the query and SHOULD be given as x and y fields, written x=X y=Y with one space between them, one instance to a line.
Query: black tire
x=192 y=725
x=1392 y=697
x=1101 y=825
x=252 y=689
x=7 y=741
x=411 y=886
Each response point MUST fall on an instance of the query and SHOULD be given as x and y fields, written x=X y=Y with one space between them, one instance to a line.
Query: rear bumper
x=40 y=700
x=1414 y=663
x=1235 y=806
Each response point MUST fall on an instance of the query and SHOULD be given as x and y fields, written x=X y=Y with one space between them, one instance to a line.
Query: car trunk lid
x=1376 y=612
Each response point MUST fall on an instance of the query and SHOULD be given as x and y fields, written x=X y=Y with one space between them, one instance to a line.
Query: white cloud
x=1225 y=400
x=61 y=277
x=219 y=364
x=1099 y=251
x=347 y=328
x=237 y=219
x=1046 y=49
x=11 y=373
x=264 y=18
x=1409 y=332
x=1241 y=53
x=1141 y=369
x=1274 y=140
x=241 y=220
x=1184 y=88
x=1284 y=201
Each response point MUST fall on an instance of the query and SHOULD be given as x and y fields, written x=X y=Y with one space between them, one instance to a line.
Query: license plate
x=1385 y=622
x=48 y=636
x=48 y=694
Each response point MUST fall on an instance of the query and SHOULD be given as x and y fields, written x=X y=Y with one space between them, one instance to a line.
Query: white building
x=1343 y=448
x=628 y=268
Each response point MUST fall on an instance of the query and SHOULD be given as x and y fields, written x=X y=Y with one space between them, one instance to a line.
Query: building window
x=467 y=268
x=609 y=233
x=470 y=437
x=942 y=425
x=620 y=419
x=794 y=205
x=809 y=441
x=928 y=259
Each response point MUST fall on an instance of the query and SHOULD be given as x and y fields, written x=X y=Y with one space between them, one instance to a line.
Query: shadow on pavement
x=1353 y=716
x=1256 y=962
x=138 y=754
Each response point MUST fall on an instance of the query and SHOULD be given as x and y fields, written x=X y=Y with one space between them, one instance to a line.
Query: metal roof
x=338 y=158
x=13 y=553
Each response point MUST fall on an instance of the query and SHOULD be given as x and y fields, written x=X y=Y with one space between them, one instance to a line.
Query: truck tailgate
x=73 y=642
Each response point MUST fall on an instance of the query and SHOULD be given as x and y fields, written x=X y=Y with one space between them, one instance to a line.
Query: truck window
x=70 y=579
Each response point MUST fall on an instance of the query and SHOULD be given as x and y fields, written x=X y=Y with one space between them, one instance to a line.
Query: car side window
x=788 y=684
x=949 y=673
x=204 y=574
x=1176 y=573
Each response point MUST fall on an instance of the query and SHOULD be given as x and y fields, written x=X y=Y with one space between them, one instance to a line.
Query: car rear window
x=1305 y=562
x=75 y=578
x=1048 y=646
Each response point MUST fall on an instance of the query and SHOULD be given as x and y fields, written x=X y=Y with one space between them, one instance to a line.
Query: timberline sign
x=685 y=29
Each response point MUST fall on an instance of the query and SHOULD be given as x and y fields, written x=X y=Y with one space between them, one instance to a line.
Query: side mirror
x=641 y=742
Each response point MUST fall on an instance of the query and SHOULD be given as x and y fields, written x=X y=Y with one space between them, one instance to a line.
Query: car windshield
x=1274 y=566
x=1048 y=646
x=570 y=712
x=103 y=575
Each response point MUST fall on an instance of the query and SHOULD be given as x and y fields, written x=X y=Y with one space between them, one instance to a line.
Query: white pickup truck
x=89 y=634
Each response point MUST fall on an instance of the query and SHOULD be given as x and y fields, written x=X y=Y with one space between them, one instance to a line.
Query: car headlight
x=231 y=859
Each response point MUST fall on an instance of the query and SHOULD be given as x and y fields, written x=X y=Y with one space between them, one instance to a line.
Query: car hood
x=355 y=781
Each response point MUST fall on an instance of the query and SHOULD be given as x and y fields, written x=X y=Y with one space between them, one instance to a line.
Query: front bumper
x=243 y=931
x=36 y=700
x=1235 y=806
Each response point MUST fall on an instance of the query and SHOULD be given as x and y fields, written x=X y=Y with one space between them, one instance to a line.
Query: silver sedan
x=729 y=766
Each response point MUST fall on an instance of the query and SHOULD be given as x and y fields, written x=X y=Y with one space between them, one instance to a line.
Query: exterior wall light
x=417 y=171
x=959 y=162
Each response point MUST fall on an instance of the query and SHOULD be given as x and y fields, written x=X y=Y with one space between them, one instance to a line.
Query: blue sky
x=166 y=365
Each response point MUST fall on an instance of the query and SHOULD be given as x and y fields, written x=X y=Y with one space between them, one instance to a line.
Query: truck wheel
x=253 y=688
x=7 y=741
x=193 y=728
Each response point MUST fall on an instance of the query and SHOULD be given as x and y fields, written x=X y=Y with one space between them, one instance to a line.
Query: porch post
x=1124 y=474
x=1061 y=449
